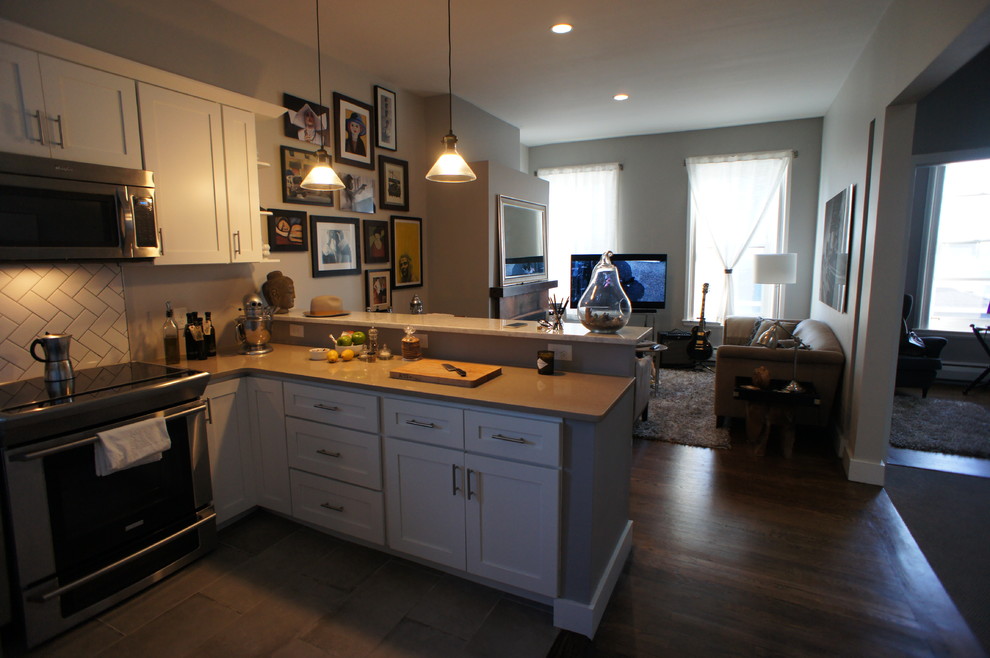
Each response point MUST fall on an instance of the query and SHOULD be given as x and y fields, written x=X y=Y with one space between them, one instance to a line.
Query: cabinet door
x=92 y=115
x=266 y=411
x=240 y=147
x=22 y=103
x=513 y=522
x=230 y=455
x=424 y=503
x=183 y=145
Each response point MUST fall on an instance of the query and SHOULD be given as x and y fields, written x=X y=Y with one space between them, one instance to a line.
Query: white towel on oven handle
x=139 y=443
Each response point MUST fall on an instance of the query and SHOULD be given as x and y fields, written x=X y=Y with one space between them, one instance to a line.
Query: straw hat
x=325 y=306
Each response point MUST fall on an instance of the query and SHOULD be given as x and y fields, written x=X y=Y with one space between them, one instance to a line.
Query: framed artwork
x=393 y=183
x=306 y=121
x=377 y=294
x=336 y=245
x=407 y=252
x=287 y=230
x=353 y=125
x=375 y=238
x=836 y=247
x=385 y=119
x=358 y=194
x=296 y=163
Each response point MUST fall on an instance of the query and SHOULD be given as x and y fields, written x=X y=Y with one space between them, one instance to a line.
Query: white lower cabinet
x=338 y=506
x=231 y=457
x=266 y=414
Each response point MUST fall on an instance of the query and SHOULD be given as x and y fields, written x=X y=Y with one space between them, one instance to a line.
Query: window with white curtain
x=738 y=208
x=581 y=218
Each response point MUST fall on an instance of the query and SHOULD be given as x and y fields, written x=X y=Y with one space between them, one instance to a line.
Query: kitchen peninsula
x=520 y=483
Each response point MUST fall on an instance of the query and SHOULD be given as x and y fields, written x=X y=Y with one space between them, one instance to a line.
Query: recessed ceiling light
x=621 y=97
x=561 y=28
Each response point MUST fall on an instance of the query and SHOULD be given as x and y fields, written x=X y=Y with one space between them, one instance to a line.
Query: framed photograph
x=393 y=183
x=377 y=294
x=287 y=230
x=358 y=194
x=374 y=233
x=306 y=121
x=336 y=245
x=836 y=247
x=407 y=252
x=353 y=125
x=385 y=119
x=296 y=163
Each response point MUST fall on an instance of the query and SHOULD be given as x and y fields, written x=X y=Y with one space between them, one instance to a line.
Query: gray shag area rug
x=955 y=427
x=683 y=411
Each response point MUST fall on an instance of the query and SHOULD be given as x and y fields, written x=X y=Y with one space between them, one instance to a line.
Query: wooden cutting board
x=432 y=371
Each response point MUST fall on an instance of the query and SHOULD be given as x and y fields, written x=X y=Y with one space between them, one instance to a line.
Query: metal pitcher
x=58 y=367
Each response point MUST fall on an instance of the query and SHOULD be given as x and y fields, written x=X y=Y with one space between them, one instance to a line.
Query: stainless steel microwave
x=60 y=210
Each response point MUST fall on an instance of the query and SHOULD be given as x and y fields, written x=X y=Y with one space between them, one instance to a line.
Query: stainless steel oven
x=82 y=542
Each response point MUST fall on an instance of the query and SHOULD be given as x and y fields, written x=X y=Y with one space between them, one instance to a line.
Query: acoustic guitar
x=699 y=348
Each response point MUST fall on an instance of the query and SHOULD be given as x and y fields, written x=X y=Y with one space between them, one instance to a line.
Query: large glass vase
x=604 y=307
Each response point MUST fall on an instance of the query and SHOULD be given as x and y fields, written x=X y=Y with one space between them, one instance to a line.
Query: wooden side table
x=772 y=406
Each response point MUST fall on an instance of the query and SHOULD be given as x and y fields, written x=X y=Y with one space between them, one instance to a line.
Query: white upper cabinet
x=240 y=148
x=55 y=108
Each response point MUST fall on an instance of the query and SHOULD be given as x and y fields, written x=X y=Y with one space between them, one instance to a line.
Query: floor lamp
x=776 y=269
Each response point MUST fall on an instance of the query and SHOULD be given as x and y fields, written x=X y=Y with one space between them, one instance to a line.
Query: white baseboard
x=959 y=372
x=859 y=470
x=584 y=618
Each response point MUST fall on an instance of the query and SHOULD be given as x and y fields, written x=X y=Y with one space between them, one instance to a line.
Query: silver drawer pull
x=327 y=453
x=335 y=508
x=513 y=439
x=418 y=423
x=326 y=407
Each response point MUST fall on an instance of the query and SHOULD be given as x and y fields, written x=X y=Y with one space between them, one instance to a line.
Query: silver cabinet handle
x=326 y=407
x=209 y=412
x=418 y=423
x=469 y=491
x=161 y=243
x=237 y=242
x=334 y=508
x=327 y=453
x=512 y=439
x=61 y=135
x=41 y=128
x=453 y=480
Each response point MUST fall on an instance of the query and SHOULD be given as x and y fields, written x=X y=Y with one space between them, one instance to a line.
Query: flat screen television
x=643 y=277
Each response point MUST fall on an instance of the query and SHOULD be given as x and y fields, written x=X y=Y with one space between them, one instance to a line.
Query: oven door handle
x=205 y=517
x=47 y=452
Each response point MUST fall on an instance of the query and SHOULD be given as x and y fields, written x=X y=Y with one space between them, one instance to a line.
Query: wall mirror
x=522 y=229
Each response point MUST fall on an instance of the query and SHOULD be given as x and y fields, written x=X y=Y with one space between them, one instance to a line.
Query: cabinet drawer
x=513 y=437
x=337 y=506
x=335 y=452
x=356 y=411
x=425 y=422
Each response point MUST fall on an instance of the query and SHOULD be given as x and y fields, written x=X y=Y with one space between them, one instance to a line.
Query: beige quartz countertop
x=577 y=396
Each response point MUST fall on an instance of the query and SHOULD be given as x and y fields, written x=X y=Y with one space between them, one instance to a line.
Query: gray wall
x=653 y=195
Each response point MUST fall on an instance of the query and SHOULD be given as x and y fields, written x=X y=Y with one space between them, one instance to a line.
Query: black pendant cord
x=319 y=74
x=450 y=75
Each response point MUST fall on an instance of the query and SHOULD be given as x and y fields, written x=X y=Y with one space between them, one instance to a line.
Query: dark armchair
x=918 y=359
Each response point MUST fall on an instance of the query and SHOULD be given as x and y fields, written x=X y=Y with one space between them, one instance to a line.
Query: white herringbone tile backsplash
x=85 y=300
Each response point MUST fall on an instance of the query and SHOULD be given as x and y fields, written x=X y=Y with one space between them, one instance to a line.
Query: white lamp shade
x=322 y=177
x=450 y=167
x=775 y=268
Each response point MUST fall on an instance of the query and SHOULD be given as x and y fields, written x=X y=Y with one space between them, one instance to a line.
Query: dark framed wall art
x=287 y=230
x=296 y=163
x=836 y=248
x=393 y=183
x=385 y=123
x=407 y=252
x=358 y=194
x=374 y=234
x=306 y=121
x=335 y=245
x=353 y=126
x=377 y=294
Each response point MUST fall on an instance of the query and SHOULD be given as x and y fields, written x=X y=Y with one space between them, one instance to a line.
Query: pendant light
x=450 y=166
x=322 y=177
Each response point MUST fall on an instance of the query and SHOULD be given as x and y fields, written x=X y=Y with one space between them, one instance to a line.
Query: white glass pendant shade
x=322 y=177
x=450 y=167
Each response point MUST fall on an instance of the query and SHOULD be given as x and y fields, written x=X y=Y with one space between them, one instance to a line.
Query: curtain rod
x=684 y=162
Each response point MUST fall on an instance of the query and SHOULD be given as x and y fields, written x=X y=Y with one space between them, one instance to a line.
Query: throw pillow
x=763 y=324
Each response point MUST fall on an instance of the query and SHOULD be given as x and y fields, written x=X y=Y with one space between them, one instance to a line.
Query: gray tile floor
x=275 y=588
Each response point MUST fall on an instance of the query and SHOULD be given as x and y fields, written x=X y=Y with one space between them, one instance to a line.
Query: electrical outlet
x=297 y=330
x=424 y=340
x=561 y=352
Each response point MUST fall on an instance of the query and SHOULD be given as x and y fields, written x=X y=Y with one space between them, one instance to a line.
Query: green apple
x=358 y=337
x=344 y=341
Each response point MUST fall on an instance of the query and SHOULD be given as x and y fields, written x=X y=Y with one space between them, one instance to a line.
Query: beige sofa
x=821 y=365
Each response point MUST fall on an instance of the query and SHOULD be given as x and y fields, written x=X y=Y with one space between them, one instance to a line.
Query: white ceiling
x=686 y=64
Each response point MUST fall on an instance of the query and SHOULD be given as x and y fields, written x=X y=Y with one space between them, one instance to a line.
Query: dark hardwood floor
x=742 y=555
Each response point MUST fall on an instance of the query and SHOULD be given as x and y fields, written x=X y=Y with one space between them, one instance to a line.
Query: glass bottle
x=604 y=307
x=170 y=335
x=209 y=335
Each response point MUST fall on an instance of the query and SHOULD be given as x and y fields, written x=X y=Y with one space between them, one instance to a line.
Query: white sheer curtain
x=582 y=216
x=730 y=196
